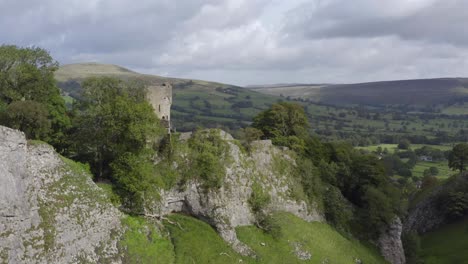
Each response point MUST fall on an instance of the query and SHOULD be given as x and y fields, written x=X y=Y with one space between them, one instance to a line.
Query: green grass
x=197 y=242
x=144 y=243
x=392 y=147
x=442 y=166
x=321 y=240
x=447 y=245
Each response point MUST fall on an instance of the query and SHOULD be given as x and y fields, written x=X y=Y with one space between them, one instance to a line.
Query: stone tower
x=160 y=97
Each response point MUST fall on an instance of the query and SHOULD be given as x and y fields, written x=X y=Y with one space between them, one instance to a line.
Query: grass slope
x=195 y=102
x=447 y=245
x=197 y=242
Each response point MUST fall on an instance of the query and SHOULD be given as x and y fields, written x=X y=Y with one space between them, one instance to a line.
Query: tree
x=458 y=157
x=404 y=144
x=285 y=124
x=27 y=74
x=113 y=119
x=248 y=135
x=282 y=120
x=27 y=116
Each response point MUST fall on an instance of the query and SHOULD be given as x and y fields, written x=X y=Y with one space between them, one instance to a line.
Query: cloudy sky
x=250 y=41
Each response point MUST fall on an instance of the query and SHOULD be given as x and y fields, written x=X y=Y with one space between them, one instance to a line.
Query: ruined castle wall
x=160 y=97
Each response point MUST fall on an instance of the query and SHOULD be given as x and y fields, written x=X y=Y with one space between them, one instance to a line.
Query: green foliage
x=404 y=144
x=30 y=117
x=258 y=199
x=207 y=158
x=110 y=191
x=310 y=181
x=361 y=180
x=27 y=74
x=338 y=211
x=248 y=135
x=282 y=121
x=456 y=204
x=378 y=209
x=116 y=131
x=113 y=119
x=458 y=157
x=135 y=179
x=143 y=243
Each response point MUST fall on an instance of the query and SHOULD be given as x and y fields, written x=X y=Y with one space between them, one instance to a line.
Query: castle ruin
x=160 y=97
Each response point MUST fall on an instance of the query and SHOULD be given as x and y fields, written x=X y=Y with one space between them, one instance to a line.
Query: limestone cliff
x=390 y=244
x=228 y=207
x=428 y=213
x=50 y=210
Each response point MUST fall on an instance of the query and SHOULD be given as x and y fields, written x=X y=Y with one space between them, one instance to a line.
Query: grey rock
x=390 y=244
x=227 y=207
x=300 y=253
x=43 y=219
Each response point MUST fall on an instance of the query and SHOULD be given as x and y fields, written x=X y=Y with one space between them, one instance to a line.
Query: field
x=442 y=166
x=418 y=170
x=392 y=147
x=197 y=242
x=211 y=104
x=447 y=245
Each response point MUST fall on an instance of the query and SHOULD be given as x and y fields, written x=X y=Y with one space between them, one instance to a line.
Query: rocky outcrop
x=50 y=210
x=390 y=244
x=425 y=216
x=429 y=213
x=228 y=207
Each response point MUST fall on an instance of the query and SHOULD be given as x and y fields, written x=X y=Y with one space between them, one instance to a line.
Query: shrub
x=207 y=158
x=258 y=198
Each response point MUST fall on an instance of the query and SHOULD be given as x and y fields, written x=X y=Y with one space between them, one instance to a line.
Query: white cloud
x=251 y=41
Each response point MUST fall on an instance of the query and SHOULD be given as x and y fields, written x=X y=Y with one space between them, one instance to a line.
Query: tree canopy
x=458 y=157
x=27 y=75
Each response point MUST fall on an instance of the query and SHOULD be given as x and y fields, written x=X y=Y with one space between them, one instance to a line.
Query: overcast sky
x=250 y=41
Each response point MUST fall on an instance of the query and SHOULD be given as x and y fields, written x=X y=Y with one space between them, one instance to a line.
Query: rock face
x=428 y=214
x=50 y=210
x=425 y=216
x=228 y=207
x=390 y=243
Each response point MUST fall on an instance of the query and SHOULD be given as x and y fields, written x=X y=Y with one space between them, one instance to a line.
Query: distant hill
x=196 y=102
x=421 y=92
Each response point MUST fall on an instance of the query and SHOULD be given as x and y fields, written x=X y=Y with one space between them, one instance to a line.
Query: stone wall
x=160 y=97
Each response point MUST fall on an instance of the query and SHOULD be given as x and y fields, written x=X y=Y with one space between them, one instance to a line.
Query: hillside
x=215 y=105
x=195 y=103
x=52 y=212
x=422 y=92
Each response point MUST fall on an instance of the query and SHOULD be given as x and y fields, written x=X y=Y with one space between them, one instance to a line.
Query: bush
x=270 y=225
x=258 y=198
x=338 y=211
x=28 y=116
x=207 y=158
x=404 y=144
